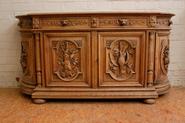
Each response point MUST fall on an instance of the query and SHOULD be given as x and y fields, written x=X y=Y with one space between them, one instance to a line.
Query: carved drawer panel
x=121 y=58
x=124 y=21
x=67 y=59
x=65 y=22
x=93 y=22
x=28 y=58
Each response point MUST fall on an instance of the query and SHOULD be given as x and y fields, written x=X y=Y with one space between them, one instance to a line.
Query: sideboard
x=95 y=55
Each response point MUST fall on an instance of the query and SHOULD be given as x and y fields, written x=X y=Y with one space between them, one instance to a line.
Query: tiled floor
x=18 y=108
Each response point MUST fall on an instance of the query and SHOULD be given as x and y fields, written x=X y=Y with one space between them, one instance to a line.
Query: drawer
x=122 y=21
x=93 y=22
x=64 y=22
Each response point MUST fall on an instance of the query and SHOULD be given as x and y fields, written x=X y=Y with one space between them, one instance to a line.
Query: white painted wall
x=10 y=38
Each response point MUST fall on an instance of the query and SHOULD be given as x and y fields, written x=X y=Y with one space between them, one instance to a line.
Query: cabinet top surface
x=95 y=13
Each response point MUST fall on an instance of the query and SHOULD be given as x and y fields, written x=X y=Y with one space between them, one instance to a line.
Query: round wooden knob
x=170 y=22
x=122 y=22
x=64 y=22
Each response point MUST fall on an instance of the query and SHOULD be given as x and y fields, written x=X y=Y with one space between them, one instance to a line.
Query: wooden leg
x=39 y=101
x=149 y=101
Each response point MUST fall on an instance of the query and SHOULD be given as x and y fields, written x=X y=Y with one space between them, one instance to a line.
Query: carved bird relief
x=121 y=60
x=123 y=57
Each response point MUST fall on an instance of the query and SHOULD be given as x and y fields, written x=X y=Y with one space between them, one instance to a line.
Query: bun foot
x=39 y=101
x=149 y=101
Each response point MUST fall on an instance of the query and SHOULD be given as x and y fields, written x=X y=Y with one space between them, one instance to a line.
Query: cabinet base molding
x=95 y=94
x=162 y=88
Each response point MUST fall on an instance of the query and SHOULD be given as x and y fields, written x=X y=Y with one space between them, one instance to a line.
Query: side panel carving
x=162 y=57
x=24 y=57
x=27 y=58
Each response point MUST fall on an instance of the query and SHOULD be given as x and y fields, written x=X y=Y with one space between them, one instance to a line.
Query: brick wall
x=10 y=38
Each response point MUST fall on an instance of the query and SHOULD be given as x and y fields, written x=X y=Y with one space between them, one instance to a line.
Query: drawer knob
x=94 y=22
x=170 y=22
x=65 y=22
x=122 y=22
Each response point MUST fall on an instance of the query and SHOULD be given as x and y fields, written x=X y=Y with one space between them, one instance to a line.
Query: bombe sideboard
x=108 y=55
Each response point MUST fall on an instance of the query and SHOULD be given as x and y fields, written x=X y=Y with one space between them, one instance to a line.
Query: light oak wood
x=95 y=55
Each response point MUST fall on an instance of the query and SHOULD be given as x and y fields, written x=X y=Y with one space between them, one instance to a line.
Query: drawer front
x=67 y=59
x=121 y=59
x=122 y=21
x=65 y=22
x=90 y=22
x=93 y=22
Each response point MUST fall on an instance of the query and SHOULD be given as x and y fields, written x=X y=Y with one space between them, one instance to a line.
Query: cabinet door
x=121 y=59
x=67 y=59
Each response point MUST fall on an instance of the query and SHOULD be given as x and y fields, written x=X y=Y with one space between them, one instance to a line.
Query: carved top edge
x=98 y=13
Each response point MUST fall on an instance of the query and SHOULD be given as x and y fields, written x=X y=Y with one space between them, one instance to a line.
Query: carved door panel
x=162 y=57
x=121 y=59
x=67 y=61
x=28 y=58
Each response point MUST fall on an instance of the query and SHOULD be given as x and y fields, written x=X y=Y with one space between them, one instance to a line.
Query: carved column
x=38 y=60
x=151 y=53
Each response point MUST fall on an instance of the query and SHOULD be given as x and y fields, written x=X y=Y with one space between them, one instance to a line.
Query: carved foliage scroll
x=68 y=59
x=121 y=59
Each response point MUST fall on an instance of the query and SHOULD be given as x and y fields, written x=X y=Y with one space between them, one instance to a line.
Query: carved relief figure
x=68 y=61
x=121 y=60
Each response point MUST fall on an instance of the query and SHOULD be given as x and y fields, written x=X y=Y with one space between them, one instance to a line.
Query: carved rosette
x=164 y=56
x=68 y=59
x=24 y=58
x=121 y=57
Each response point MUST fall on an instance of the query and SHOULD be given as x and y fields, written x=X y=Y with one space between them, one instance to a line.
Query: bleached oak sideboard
x=95 y=55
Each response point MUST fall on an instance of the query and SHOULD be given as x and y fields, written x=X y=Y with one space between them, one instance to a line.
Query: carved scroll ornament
x=68 y=54
x=121 y=58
